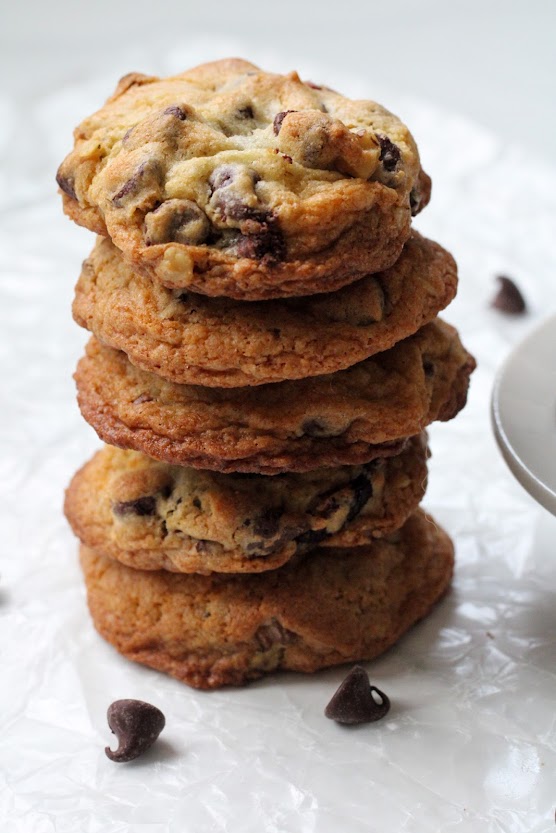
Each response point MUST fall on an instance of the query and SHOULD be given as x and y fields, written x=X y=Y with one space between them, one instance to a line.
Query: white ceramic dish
x=524 y=413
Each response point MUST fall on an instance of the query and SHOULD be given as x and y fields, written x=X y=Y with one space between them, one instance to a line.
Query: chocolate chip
x=356 y=701
x=234 y=202
x=245 y=113
x=177 y=221
x=196 y=503
x=389 y=153
x=232 y=194
x=267 y=524
x=147 y=174
x=142 y=506
x=312 y=537
x=221 y=176
x=271 y=634
x=278 y=119
x=267 y=243
x=428 y=368
x=414 y=201
x=137 y=725
x=315 y=428
x=166 y=491
x=67 y=185
x=509 y=299
x=176 y=111
x=362 y=489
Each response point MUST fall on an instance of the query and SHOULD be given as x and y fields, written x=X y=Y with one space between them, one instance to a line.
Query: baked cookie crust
x=227 y=180
x=346 y=418
x=191 y=339
x=331 y=607
x=152 y=516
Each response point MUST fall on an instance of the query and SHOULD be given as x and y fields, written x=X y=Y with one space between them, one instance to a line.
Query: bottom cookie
x=330 y=607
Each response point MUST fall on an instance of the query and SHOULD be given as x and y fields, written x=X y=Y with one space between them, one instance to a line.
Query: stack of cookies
x=266 y=356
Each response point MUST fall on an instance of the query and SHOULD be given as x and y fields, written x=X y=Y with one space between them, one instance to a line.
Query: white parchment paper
x=470 y=742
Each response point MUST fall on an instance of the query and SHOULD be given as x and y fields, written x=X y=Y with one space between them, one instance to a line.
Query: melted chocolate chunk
x=231 y=185
x=177 y=221
x=316 y=428
x=233 y=199
x=67 y=185
x=389 y=153
x=141 y=506
x=428 y=368
x=176 y=111
x=356 y=701
x=267 y=243
x=362 y=492
x=267 y=525
x=137 y=725
x=278 y=119
x=245 y=113
x=312 y=537
x=149 y=170
x=509 y=299
x=271 y=634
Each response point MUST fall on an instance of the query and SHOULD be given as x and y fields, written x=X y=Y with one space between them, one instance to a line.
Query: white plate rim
x=533 y=484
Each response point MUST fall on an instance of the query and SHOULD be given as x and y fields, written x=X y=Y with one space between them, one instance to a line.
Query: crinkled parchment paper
x=469 y=744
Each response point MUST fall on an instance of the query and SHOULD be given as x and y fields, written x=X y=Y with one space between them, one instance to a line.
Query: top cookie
x=231 y=181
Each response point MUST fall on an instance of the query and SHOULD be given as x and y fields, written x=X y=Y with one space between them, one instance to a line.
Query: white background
x=470 y=744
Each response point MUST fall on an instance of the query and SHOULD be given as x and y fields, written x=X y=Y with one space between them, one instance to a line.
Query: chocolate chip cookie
x=153 y=516
x=346 y=418
x=227 y=180
x=330 y=607
x=192 y=339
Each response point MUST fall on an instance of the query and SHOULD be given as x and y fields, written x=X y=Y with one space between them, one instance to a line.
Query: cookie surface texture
x=227 y=180
x=346 y=418
x=331 y=607
x=191 y=339
x=153 y=516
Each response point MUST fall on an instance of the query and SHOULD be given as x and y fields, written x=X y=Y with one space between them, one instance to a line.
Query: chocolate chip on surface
x=137 y=725
x=147 y=175
x=142 y=506
x=362 y=489
x=177 y=221
x=233 y=196
x=272 y=633
x=509 y=299
x=428 y=368
x=66 y=184
x=356 y=701
x=245 y=113
x=176 y=111
x=268 y=243
x=389 y=153
x=278 y=119
x=267 y=524
x=318 y=428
